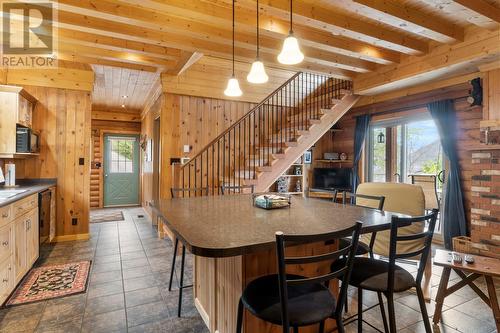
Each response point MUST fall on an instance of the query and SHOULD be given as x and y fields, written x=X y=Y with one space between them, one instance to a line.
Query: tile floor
x=128 y=291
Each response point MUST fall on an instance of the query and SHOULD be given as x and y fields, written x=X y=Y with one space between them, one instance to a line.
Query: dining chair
x=227 y=189
x=292 y=300
x=177 y=193
x=388 y=278
x=366 y=201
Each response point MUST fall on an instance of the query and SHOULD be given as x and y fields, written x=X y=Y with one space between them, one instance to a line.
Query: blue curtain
x=453 y=214
x=362 y=123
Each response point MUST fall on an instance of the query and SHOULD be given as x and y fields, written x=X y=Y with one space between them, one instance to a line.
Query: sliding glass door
x=408 y=150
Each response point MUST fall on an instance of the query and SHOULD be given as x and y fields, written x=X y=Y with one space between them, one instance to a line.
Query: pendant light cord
x=291 y=16
x=233 y=37
x=258 y=30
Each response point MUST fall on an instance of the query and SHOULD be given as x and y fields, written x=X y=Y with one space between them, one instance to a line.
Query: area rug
x=100 y=216
x=53 y=281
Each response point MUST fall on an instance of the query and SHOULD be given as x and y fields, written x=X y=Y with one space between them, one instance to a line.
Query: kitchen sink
x=7 y=194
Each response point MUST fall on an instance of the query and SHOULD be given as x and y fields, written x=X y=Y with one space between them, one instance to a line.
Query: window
x=401 y=148
x=121 y=157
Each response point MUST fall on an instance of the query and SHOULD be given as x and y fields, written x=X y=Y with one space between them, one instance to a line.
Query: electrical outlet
x=74 y=221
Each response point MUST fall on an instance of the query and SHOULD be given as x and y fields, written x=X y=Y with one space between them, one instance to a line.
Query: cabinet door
x=6 y=279
x=32 y=237
x=22 y=111
x=20 y=258
x=6 y=248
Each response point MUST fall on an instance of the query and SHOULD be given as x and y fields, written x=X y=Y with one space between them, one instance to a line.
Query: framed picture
x=308 y=157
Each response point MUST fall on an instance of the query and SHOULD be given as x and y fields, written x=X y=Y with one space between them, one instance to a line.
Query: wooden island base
x=219 y=282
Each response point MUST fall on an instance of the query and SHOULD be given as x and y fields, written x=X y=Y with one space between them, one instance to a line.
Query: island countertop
x=227 y=226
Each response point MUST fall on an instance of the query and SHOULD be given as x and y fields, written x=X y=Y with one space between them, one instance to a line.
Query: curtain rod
x=407 y=108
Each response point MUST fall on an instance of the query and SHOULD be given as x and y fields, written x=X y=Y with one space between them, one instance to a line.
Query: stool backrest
x=226 y=189
x=424 y=251
x=348 y=252
x=367 y=201
x=179 y=192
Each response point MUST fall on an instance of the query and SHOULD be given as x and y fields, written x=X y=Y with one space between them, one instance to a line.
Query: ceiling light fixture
x=258 y=71
x=124 y=96
x=233 y=86
x=291 y=54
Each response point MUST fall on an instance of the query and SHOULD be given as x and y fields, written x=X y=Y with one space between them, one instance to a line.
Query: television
x=333 y=178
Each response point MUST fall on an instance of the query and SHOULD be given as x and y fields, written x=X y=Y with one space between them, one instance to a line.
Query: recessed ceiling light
x=124 y=96
x=123 y=105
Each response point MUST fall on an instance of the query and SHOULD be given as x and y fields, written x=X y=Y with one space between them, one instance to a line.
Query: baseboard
x=203 y=314
x=69 y=238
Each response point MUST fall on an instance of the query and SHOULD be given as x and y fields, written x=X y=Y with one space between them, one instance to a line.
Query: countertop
x=31 y=186
x=226 y=226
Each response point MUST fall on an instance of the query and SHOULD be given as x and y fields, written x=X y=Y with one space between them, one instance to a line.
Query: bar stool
x=294 y=301
x=175 y=192
x=388 y=278
x=227 y=189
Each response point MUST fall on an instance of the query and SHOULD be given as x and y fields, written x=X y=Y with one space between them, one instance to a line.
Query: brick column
x=485 y=211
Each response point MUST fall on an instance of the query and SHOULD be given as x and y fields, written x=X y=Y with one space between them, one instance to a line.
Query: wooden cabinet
x=20 y=258
x=16 y=107
x=7 y=282
x=24 y=112
x=32 y=239
x=19 y=242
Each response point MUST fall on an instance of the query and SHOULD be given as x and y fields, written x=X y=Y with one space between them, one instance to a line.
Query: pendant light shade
x=258 y=71
x=290 y=53
x=233 y=86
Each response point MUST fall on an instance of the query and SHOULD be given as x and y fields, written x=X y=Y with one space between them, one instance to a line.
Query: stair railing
x=236 y=156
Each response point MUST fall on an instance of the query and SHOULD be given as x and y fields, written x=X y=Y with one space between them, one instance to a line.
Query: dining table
x=233 y=242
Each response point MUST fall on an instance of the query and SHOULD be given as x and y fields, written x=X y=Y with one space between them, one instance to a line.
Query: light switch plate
x=187 y=148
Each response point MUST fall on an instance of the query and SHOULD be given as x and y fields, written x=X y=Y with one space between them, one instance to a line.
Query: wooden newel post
x=176 y=175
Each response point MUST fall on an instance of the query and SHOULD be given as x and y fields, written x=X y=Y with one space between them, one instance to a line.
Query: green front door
x=121 y=170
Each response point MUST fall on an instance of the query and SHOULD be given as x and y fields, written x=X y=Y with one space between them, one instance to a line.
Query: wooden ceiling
x=121 y=88
x=343 y=38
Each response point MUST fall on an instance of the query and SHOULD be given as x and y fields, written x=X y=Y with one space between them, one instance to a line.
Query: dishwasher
x=44 y=199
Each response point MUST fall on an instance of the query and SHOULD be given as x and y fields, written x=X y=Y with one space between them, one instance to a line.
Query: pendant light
x=233 y=86
x=291 y=54
x=257 y=72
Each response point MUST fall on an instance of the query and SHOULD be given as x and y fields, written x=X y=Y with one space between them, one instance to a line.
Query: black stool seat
x=372 y=274
x=362 y=247
x=307 y=303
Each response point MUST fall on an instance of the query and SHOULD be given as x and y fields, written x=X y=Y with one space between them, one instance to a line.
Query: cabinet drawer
x=25 y=205
x=6 y=279
x=6 y=248
x=5 y=215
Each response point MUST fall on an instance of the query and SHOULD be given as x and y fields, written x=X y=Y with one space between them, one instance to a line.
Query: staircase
x=265 y=142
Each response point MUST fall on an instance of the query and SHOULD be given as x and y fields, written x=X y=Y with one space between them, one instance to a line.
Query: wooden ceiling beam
x=311 y=14
x=115 y=56
x=481 y=7
x=433 y=27
x=186 y=60
x=220 y=14
x=192 y=29
x=461 y=58
x=117 y=44
x=99 y=26
x=97 y=61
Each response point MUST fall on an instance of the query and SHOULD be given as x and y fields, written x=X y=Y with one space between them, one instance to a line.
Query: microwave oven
x=26 y=140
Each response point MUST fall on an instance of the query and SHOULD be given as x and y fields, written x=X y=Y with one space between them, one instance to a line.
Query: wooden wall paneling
x=63 y=78
x=63 y=118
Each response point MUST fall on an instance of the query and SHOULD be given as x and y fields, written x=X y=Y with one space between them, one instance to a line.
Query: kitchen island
x=233 y=243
